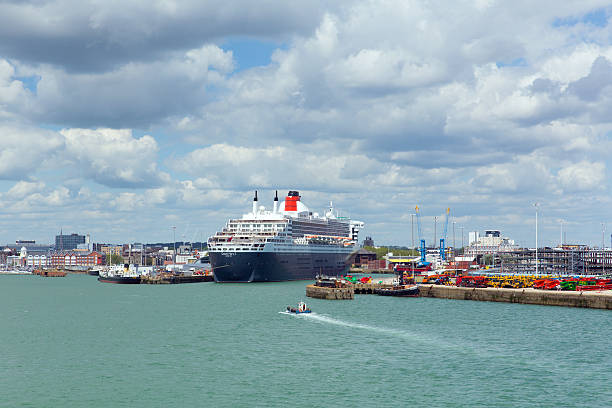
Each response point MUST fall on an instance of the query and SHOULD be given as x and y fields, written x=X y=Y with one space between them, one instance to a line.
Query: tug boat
x=400 y=291
x=123 y=276
x=301 y=308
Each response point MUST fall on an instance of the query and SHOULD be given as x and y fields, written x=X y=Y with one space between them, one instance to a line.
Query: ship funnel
x=275 y=208
x=255 y=203
x=291 y=201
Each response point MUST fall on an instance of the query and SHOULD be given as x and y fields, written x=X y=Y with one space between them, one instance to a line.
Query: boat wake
x=297 y=314
x=330 y=320
x=384 y=330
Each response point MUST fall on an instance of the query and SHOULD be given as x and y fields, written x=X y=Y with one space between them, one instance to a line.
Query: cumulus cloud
x=114 y=157
x=582 y=176
x=134 y=94
x=454 y=105
x=25 y=188
x=88 y=36
x=25 y=150
x=239 y=167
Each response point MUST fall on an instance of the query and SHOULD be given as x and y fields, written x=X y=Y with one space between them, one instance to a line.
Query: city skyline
x=123 y=120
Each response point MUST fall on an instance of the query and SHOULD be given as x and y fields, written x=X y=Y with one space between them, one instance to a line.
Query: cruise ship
x=290 y=242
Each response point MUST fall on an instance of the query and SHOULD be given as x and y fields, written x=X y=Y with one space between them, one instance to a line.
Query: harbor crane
x=443 y=239
x=422 y=249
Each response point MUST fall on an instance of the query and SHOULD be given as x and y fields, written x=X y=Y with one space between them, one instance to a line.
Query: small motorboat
x=301 y=308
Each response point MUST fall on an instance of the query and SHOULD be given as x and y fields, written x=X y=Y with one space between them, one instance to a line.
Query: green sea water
x=75 y=342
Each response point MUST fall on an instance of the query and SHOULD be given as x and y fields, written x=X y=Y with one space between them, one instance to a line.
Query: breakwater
x=343 y=292
x=528 y=296
x=595 y=300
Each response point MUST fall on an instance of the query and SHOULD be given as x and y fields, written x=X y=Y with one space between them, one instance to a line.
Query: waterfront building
x=31 y=247
x=362 y=257
x=13 y=260
x=38 y=261
x=63 y=259
x=566 y=260
x=68 y=242
x=491 y=243
x=110 y=250
x=464 y=262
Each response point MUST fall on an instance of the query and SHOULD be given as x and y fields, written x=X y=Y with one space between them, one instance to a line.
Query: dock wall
x=596 y=300
x=319 y=292
x=347 y=292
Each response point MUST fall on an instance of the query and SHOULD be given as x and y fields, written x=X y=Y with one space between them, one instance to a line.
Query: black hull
x=412 y=291
x=275 y=266
x=187 y=279
x=94 y=273
x=124 y=280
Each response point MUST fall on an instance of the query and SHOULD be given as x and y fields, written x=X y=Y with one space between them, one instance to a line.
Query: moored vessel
x=399 y=291
x=290 y=242
x=125 y=275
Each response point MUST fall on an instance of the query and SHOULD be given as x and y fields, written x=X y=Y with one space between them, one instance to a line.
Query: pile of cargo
x=530 y=281
x=354 y=280
x=580 y=284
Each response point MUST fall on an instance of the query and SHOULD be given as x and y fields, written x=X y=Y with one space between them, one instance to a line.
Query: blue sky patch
x=249 y=52
x=597 y=17
x=30 y=82
x=518 y=62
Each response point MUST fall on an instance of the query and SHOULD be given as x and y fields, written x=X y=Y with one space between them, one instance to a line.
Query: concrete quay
x=322 y=292
x=344 y=292
x=529 y=296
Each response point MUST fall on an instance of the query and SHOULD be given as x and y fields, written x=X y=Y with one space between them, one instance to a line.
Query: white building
x=491 y=243
x=38 y=261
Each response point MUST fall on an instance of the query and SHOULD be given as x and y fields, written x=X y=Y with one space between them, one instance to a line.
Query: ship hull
x=275 y=266
x=400 y=291
x=129 y=280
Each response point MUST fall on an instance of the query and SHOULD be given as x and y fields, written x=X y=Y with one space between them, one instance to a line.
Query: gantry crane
x=422 y=249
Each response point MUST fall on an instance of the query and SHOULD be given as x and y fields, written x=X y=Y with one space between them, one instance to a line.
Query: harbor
x=202 y=335
x=311 y=204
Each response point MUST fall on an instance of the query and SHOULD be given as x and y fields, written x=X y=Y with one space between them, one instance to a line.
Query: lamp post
x=462 y=250
x=173 y=245
x=435 y=232
x=603 y=252
x=537 y=207
x=454 y=244
x=412 y=226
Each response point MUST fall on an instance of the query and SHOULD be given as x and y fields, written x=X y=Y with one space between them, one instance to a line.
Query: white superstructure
x=288 y=227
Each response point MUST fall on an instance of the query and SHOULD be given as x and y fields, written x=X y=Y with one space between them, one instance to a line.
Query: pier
x=345 y=291
x=529 y=296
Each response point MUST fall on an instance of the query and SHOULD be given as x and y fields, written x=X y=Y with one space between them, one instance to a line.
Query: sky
x=123 y=119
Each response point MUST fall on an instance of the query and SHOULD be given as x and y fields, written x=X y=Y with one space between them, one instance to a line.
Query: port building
x=491 y=243
x=68 y=259
x=68 y=242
